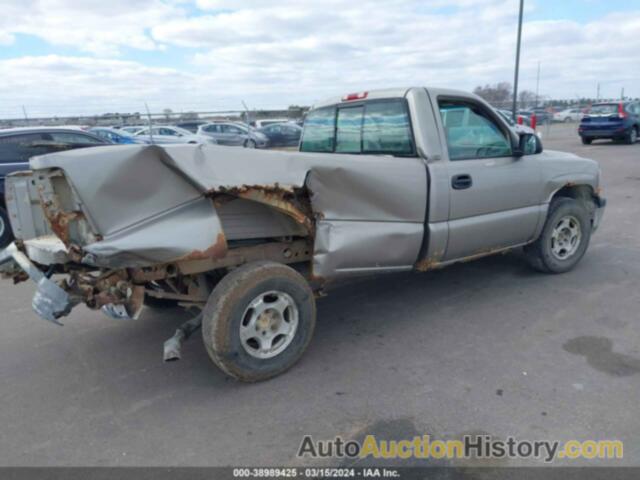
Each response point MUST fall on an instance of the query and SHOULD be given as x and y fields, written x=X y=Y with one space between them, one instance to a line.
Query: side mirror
x=528 y=144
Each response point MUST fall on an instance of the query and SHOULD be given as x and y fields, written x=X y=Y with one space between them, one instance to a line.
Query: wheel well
x=584 y=192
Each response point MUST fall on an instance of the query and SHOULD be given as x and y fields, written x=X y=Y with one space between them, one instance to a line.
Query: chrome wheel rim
x=566 y=237
x=251 y=144
x=269 y=324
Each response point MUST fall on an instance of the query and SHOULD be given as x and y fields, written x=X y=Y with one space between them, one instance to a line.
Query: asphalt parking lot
x=485 y=347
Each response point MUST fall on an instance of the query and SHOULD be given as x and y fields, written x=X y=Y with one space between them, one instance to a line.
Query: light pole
x=515 y=78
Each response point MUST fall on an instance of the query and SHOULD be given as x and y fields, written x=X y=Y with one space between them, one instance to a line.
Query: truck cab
x=489 y=187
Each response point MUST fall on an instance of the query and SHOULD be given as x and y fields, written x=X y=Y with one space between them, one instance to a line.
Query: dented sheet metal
x=152 y=204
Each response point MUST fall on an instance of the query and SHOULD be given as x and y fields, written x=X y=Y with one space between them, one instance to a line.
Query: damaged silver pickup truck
x=385 y=181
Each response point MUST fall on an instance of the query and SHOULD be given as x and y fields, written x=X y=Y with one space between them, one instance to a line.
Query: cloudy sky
x=70 y=57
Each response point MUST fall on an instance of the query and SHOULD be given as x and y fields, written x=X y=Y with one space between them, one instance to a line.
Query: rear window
x=349 y=130
x=319 y=130
x=604 y=109
x=374 y=127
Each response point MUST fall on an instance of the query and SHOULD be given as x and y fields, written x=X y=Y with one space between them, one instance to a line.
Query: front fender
x=569 y=180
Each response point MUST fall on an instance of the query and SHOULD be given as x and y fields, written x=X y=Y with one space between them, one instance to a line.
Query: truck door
x=494 y=197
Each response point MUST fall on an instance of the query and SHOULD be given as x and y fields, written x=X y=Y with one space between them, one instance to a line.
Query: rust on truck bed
x=215 y=251
x=287 y=200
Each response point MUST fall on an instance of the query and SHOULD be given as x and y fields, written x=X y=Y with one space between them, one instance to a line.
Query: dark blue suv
x=17 y=145
x=614 y=120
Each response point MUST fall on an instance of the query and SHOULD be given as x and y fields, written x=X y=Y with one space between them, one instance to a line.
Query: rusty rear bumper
x=50 y=301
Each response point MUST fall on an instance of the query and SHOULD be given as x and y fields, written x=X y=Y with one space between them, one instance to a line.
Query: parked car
x=17 y=145
x=235 y=134
x=191 y=125
x=568 y=115
x=613 y=120
x=282 y=134
x=388 y=181
x=167 y=134
x=112 y=135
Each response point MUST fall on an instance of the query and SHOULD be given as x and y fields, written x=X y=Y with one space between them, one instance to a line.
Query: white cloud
x=276 y=53
x=6 y=38
x=67 y=85
x=95 y=26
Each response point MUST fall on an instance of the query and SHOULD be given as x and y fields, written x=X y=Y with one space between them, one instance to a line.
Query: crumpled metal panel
x=149 y=202
x=188 y=232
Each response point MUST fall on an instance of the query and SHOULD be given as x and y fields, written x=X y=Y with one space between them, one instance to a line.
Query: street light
x=515 y=79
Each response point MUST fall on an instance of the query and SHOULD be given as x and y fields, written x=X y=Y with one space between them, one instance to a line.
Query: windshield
x=604 y=109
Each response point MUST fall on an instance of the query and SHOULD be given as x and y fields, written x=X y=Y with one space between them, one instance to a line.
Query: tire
x=568 y=120
x=249 y=144
x=586 y=141
x=229 y=310
x=632 y=136
x=543 y=254
x=6 y=235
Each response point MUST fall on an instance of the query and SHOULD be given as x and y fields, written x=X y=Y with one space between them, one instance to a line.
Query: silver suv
x=235 y=134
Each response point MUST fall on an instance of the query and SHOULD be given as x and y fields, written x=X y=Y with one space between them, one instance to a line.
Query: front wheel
x=259 y=320
x=5 y=229
x=249 y=144
x=564 y=238
x=631 y=137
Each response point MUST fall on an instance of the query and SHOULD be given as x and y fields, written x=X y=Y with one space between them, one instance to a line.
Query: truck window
x=380 y=126
x=386 y=129
x=471 y=133
x=319 y=130
x=349 y=130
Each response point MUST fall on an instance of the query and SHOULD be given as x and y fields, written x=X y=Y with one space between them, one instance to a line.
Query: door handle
x=462 y=181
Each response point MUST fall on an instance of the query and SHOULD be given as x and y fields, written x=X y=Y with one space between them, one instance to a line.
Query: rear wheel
x=259 y=320
x=5 y=229
x=586 y=141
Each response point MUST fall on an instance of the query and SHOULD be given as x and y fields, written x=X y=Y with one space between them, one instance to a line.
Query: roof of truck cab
x=399 y=92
